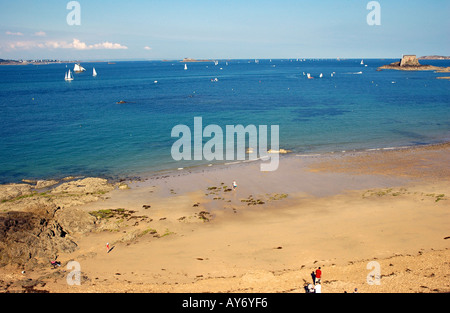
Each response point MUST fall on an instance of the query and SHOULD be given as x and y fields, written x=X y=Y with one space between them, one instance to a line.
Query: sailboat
x=321 y=75
x=309 y=76
x=362 y=62
x=69 y=76
x=78 y=68
x=94 y=72
x=185 y=67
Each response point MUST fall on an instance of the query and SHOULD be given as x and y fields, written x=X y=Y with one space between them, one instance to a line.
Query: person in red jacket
x=318 y=275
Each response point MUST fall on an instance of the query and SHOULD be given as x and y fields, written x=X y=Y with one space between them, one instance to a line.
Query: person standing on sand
x=313 y=276
x=107 y=247
x=234 y=185
x=319 y=275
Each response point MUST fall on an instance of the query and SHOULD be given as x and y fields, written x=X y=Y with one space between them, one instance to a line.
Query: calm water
x=51 y=128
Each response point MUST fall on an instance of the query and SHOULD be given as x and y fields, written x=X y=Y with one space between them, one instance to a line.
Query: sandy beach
x=189 y=231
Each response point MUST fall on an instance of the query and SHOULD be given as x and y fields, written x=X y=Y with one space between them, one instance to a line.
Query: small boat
x=309 y=76
x=185 y=67
x=321 y=75
x=68 y=76
x=94 y=72
x=78 y=68
x=362 y=62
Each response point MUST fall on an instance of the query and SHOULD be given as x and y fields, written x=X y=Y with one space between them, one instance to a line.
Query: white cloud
x=147 y=48
x=79 y=45
x=52 y=44
x=14 y=34
x=40 y=34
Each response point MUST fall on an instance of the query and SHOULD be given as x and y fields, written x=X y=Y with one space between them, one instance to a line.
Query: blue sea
x=51 y=128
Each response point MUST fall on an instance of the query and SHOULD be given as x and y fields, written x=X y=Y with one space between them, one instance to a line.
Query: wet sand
x=190 y=232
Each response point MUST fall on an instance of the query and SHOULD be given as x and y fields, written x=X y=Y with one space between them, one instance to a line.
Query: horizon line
x=208 y=59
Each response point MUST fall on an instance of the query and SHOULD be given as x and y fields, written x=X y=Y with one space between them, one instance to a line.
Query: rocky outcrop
x=20 y=197
x=411 y=63
x=37 y=226
x=40 y=184
x=84 y=186
x=26 y=236
x=75 y=221
x=40 y=234
x=12 y=191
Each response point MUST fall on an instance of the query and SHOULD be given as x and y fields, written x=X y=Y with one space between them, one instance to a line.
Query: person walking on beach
x=313 y=276
x=319 y=275
x=107 y=247
x=234 y=185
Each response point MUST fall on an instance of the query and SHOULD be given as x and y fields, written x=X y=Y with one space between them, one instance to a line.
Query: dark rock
x=28 y=236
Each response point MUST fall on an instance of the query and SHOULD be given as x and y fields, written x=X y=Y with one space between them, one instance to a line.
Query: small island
x=186 y=60
x=411 y=63
x=435 y=57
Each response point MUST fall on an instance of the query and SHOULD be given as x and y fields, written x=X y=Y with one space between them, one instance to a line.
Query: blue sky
x=220 y=29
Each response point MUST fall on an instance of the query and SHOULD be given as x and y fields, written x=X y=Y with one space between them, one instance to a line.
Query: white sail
x=321 y=75
x=78 y=68
x=185 y=67
x=94 y=72
x=362 y=62
x=68 y=76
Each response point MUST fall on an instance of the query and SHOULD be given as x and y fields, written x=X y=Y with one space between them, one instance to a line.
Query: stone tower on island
x=409 y=60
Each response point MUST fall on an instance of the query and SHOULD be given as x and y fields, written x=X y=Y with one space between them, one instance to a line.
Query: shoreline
x=190 y=232
x=114 y=179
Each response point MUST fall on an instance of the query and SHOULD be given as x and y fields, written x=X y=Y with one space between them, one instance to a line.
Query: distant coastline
x=435 y=57
x=40 y=62
x=35 y=62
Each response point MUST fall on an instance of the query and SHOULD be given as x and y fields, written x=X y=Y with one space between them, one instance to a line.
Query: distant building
x=409 y=60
